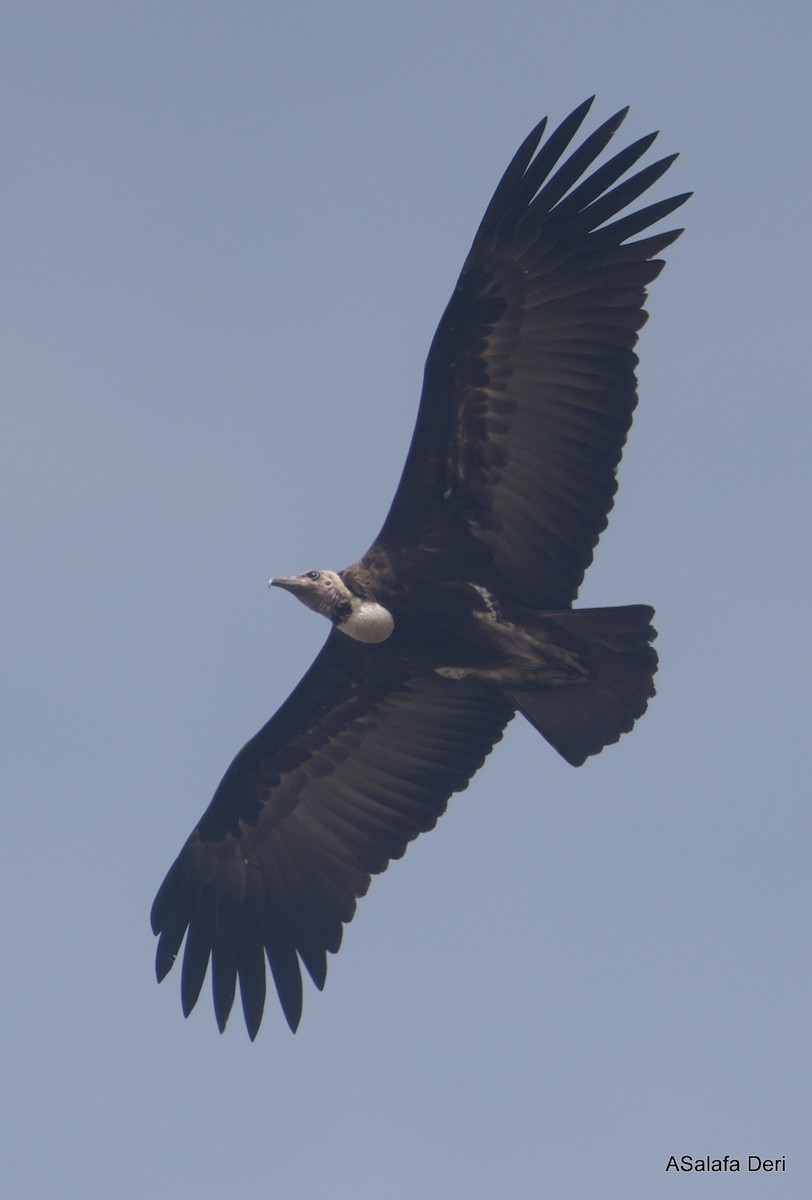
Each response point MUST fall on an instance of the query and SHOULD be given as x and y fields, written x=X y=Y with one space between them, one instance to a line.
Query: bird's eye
x=314 y=575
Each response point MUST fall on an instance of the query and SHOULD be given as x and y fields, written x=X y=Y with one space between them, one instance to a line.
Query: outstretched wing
x=359 y=760
x=529 y=385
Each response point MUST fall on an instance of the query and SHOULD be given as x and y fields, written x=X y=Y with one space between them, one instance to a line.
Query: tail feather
x=615 y=645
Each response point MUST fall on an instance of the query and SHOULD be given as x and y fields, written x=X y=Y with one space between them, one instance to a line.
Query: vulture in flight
x=460 y=613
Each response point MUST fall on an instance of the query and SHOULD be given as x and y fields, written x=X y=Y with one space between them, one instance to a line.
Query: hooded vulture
x=460 y=613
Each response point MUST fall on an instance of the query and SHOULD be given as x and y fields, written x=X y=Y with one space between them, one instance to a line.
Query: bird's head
x=327 y=593
x=323 y=591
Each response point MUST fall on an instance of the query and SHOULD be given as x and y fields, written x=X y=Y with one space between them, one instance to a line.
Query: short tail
x=615 y=646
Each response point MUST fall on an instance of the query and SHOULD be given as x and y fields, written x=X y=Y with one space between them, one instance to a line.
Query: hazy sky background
x=229 y=232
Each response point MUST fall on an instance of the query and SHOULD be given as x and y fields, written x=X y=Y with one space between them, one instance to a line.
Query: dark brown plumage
x=460 y=613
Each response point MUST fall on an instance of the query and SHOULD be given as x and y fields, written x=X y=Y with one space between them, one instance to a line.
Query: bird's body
x=460 y=613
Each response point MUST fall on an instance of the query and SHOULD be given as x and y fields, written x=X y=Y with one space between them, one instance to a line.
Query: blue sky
x=229 y=233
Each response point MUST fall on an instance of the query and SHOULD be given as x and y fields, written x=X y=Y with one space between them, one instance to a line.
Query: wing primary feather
x=509 y=181
x=582 y=197
x=197 y=952
x=551 y=152
x=522 y=178
x=276 y=927
x=224 y=962
x=620 y=197
x=251 y=968
x=285 y=971
x=571 y=170
x=626 y=227
x=171 y=914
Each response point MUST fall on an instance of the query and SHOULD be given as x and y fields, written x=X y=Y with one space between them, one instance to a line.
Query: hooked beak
x=291 y=583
